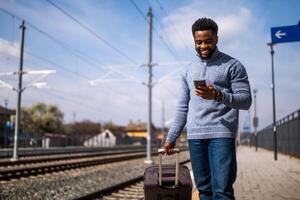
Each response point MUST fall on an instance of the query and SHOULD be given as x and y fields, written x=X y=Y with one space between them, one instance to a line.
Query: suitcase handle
x=160 y=152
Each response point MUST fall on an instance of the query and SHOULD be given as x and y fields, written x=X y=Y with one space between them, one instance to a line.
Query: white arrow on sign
x=278 y=34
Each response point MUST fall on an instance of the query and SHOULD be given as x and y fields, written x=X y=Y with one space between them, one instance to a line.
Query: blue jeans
x=214 y=167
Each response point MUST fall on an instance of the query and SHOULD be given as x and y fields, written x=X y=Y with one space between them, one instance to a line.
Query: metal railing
x=288 y=135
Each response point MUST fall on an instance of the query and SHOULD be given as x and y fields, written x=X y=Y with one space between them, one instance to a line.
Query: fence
x=288 y=135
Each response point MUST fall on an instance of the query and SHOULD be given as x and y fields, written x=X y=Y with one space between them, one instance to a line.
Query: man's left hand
x=206 y=92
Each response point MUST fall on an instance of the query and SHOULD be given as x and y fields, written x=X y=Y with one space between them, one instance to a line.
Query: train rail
x=128 y=190
x=59 y=164
x=33 y=152
x=25 y=171
x=48 y=158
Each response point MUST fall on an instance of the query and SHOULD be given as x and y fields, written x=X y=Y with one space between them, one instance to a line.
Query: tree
x=41 y=118
x=110 y=125
x=85 y=127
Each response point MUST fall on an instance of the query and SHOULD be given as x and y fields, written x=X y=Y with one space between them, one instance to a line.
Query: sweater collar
x=216 y=54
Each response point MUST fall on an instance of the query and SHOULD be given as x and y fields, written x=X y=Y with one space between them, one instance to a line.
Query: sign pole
x=255 y=120
x=273 y=97
x=280 y=34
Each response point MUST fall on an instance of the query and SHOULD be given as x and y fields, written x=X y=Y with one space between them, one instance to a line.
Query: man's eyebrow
x=204 y=40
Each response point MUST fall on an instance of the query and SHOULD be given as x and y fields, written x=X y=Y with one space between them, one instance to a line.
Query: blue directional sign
x=285 y=34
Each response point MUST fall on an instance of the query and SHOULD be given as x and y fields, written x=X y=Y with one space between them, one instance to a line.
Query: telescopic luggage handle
x=160 y=152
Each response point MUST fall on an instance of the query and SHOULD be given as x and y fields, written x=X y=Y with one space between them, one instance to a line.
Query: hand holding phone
x=198 y=83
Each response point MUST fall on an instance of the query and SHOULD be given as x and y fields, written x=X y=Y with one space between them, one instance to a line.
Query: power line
x=67 y=47
x=173 y=54
x=64 y=45
x=163 y=29
x=177 y=32
x=71 y=100
x=58 y=65
x=52 y=63
x=160 y=37
x=85 y=27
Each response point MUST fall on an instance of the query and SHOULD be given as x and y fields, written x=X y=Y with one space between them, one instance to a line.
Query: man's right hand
x=169 y=148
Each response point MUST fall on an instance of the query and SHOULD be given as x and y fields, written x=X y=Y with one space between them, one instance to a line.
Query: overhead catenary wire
x=172 y=53
x=172 y=24
x=155 y=30
x=52 y=63
x=68 y=48
x=71 y=100
x=53 y=39
x=65 y=46
x=86 y=58
x=45 y=59
x=58 y=65
x=57 y=41
x=85 y=27
x=169 y=21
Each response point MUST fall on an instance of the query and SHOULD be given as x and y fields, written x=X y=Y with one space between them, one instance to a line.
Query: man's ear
x=217 y=39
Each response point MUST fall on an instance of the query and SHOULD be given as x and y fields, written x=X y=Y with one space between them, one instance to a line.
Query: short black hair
x=204 y=24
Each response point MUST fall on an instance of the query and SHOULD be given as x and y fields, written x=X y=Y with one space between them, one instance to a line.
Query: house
x=6 y=125
x=104 y=139
x=54 y=140
x=137 y=131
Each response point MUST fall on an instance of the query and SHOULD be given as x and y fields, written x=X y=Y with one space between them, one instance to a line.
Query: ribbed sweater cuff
x=171 y=138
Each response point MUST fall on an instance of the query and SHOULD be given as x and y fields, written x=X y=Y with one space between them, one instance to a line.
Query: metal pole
x=149 y=125
x=249 y=121
x=5 y=128
x=273 y=96
x=5 y=103
x=17 y=123
x=255 y=117
x=163 y=122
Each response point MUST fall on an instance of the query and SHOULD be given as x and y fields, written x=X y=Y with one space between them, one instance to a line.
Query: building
x=54 y=140
x=104 y=139
x=137 y=131
x=6 y=125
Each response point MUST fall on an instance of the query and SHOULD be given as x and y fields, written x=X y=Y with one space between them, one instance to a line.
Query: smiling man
x=210 y=112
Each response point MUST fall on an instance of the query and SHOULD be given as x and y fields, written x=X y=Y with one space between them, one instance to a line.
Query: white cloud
x=8 y=49
x=230 y=25
x=233 y=25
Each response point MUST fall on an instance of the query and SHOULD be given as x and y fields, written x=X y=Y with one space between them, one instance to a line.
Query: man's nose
x=203 y=45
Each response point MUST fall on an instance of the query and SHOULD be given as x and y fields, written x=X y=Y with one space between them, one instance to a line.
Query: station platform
x=260 y=177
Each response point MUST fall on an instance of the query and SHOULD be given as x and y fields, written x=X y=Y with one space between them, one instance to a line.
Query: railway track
x=34 y=152
x=62 y=163
x=42 y=168
x=128 y=190
x=51 y=158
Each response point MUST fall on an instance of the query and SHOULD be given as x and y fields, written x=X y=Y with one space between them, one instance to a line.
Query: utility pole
x=273 y=97
x=6 y=126
x=249 y=126
x=163 y=116
x=74 y=117
x=163 y=122
x=5 y=103
x=149 y=125
x=19 y=90
x=255 y=119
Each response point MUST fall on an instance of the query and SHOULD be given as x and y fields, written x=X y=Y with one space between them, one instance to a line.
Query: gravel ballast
x=74 y=183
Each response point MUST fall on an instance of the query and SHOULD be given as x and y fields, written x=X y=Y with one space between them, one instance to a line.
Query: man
x=210 y=113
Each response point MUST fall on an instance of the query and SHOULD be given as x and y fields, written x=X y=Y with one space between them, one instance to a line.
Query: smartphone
x=198 y=83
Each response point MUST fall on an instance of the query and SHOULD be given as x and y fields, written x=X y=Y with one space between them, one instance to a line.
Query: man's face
x=205 y=43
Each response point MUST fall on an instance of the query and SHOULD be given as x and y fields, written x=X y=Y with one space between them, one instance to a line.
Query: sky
x=99 y=49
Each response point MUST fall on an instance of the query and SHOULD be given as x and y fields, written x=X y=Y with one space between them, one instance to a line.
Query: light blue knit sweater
x=206 y=119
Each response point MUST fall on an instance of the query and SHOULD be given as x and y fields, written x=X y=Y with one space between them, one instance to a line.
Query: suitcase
x=167 y=182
